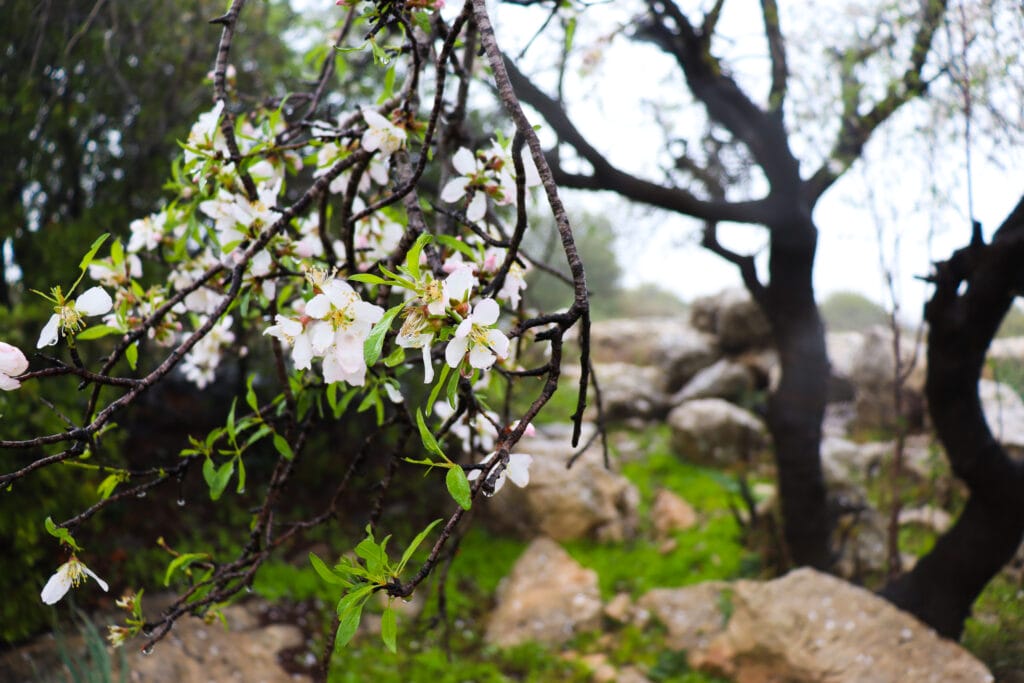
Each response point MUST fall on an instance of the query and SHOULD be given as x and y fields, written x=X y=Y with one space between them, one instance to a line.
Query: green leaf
x=458 y=486
x=369 y=279
x=324 y=571
x=108 y=485
x=250 y=395
x=429 y=442
x=281 y=444
x=395 y=357
x=87 y=259
x=412 y=259
x=181 y=562
x=407 y=555
x=374 y=554
x=389 y=629
x=374 y=343
x=452 y=388
x=350 y=611
x=96 y=331
x=231 y=418
x=117 y=254
x=441 y=377
x=241 y=476
x=60 y=533
x=219 y=481
x=132 y=355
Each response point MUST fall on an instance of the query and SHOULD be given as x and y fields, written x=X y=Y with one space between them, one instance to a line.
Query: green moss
x=531 y=663
x=993 y=632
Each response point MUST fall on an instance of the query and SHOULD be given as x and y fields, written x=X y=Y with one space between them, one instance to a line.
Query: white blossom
x=381 y=134
x=475 y=334
x=68 y=575
x=146 y=232
x=346 y=321
x=518 y=470
x=68 y=317
x=12 y=364
x=293 y=333
x=200 y=363
x=416 y=334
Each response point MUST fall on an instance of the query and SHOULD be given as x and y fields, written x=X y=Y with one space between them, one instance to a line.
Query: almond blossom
x=346 y=321
x=67 y=318
x=68 y=575
x=295 y=334
x=381 y=134
x=416 y=333
x=475 y=335
x=200 y=363
x=518 y=470
x=12 y=364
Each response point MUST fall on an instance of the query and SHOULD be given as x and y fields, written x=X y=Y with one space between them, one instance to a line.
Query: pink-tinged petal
x=454 y=189
x=8 y=383
x=486 y=312
x=12 y=360
x=318 y=307
x=477 y=208
x=48 y=335
x=519 y=469
x=58 y=585
x=456 y=350
x=480 y=357
x=94 y=301
x=349 y=350
x=464 y=161
x=428 y=366
x=498 y=342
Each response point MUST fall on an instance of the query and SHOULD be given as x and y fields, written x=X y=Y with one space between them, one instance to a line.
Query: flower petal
x=101 y=582
x=486 y=312
x=481 y=357
x=94 y=301
x=454 y=189
x=58 y=585
x=48 y=336
x=428 y=366
x=8 y=383
x=519 y=468
x=456 y=350
x=12 y=360
x=477 y=207
x=464 y=161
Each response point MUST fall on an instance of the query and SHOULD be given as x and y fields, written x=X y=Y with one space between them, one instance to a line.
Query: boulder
x=725 y=379
x=734 y=318
x=671 y=513
x=690 y=352
x=629 y=391
x=872 y=370
x=584 y=501
x=547 y=598
x=639 y=341
x=715 y=432
x=693 y=615
x=808 y=627
x=1004 y=412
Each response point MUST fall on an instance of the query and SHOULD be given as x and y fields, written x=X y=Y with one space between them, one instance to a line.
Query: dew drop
x=147 y=632
x=140 y=494
x=181 y=502
x=148 y=650
x=241 y=490
x=248 y=589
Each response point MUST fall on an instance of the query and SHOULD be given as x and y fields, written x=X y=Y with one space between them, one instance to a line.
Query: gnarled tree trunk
x=974 y=289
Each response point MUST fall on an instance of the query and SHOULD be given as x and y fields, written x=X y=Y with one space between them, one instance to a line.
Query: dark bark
x=974 y=289
x=797 y=407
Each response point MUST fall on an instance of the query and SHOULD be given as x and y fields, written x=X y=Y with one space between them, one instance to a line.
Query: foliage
x=1013 y=323
x=851 y=312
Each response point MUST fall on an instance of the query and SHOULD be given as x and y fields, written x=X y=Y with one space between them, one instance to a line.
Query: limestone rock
x=548 y=597
x=195 y=651
x=1004 y=412
x=630 y=390
x=734 y=318
x=871 y=372
x=1006 y=348
x=638 y=341
x=726 y=379
x=671 y=513
x=691 y=352
x=808 y=627
x=693 y=615
x=585 y=501
x=715 y=432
